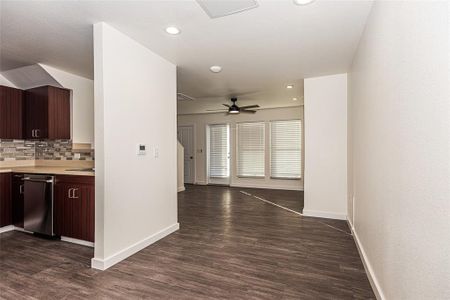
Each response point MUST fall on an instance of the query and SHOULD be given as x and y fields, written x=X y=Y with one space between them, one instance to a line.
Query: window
x=250 y=149
x=286 y=149
x=219 y=166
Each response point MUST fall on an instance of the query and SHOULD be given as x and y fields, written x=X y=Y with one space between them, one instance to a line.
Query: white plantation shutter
x=286 y=149
x=218 y=151
x=250 y=149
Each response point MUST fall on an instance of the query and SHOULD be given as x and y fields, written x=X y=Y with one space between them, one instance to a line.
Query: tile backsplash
x=41 y=150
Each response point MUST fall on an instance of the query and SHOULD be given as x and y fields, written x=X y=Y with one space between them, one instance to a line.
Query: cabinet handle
x=38 y=132
x=32 y=133
x=75 y=197
x=69 y=193
x=21 y=189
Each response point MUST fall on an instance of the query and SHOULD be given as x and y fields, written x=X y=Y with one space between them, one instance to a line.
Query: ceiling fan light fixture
x=294 y=99
x=303 y=2
x=234 y=109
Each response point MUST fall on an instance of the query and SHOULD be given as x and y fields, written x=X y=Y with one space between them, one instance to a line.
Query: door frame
x=194 y=155
x=207 y=139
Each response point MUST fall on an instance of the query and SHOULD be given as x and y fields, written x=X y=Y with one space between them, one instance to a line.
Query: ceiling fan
x=234 y=109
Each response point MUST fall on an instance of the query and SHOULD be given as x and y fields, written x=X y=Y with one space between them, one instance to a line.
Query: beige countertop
x=46 y=170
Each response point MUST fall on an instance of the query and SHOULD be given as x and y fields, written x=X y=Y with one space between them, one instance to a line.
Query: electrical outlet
x=156 y=152
x=76 y=155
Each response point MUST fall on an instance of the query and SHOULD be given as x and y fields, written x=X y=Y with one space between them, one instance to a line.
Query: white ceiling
x=261 y=50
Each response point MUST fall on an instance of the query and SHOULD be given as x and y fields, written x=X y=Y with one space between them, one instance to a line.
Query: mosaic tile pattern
x=41 y=150
x=16 y=150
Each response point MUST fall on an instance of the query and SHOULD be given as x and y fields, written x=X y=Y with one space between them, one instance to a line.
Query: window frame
x=301 y=150
x=264 y=149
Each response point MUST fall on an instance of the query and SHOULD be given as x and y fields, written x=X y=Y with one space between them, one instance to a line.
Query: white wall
x=202 y=120
x=82 y=103
x=400 y=119
x=6 y=82
x=326 y=146
x=135 y=102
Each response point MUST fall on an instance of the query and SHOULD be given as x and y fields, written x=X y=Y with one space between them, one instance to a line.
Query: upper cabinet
x=47 y=113
x=11 y=113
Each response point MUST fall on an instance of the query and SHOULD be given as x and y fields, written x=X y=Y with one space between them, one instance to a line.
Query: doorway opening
x=218 y=154
x=186 y=138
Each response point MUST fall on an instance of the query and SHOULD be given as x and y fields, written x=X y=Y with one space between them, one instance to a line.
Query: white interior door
x=219 y=154
x=186 y=138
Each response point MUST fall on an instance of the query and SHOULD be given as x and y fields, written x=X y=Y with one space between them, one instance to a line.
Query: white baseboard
x=350 y=224
x=323 y=214
x=77 y=241
x=103 y=264
x=272 y=187
x=181 y=188
x=367 y=266
x=7 y=228
x=201 y=183
x=63 y=238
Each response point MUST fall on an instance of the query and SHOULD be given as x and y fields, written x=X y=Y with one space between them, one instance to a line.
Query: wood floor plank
x=229 y=246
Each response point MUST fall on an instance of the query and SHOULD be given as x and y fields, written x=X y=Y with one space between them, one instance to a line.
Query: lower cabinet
x=74 y=207
x=5 y=199
x=17 y=200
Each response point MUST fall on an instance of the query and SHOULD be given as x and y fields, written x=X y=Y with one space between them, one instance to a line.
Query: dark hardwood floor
x=289 y=199
x=229 y=246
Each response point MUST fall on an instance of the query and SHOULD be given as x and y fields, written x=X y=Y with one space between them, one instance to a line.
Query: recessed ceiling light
x=172 y=30
x=215 y=69
x=289 y=86
x=294 y=99
x=303 y=2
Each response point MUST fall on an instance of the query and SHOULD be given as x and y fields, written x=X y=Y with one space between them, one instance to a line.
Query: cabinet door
x=83 y=213
x=58 y=113
x=17 y=200
x=11 y=113
x=62 y=218
x=74 y=210
x=5 y=199
x=36 y=113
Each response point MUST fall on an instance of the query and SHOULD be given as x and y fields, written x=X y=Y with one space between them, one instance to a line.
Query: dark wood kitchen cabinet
x=17 y=200
x=5 y=199
x=74 y=207
x=11 y=113
x=47 y=113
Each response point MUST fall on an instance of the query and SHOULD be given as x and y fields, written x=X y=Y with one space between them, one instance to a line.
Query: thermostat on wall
x=141 y=149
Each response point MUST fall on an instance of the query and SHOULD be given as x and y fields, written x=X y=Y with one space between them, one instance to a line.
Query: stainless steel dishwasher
x=38 y=203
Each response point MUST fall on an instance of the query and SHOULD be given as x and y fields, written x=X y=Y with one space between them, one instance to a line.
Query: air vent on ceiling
x=221 y=8
x=184 y=97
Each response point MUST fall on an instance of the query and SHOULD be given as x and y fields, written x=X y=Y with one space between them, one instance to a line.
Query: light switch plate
x=141 y=149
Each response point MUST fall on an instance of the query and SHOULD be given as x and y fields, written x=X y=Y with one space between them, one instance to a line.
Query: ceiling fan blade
x=226 y=105
x=250 y=106
x=248 y=111
x=220 y=109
